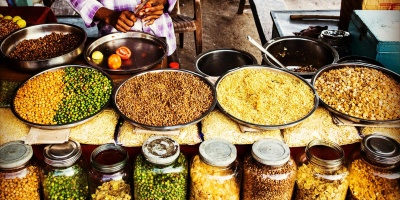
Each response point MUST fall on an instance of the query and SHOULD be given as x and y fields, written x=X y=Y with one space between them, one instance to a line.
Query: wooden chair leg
x=241 y=7
x=198 y=39
x=181 y=40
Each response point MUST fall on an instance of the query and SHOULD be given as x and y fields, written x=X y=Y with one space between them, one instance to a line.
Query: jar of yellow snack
x=160 y=171
x=109 y=175
x=375 y=170
x=215 y=173
x=269 y=172
x=19 y=175
x=323 y=174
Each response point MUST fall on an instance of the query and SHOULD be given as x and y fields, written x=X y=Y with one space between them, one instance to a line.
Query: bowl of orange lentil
x=358 y=92
x=62 y=97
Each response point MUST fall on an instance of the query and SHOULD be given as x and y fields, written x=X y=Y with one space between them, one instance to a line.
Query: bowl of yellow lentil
x=358 y=92
x=62 y=97
x=164 y=99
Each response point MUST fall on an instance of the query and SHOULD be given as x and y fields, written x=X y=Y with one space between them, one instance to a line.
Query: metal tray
x=263 y=126
x=166 y=128
x=355 y=65
x=59 y=126
x=34 y=32
x=147 y=51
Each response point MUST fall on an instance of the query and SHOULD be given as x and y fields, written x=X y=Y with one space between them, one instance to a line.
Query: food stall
x=289 y=109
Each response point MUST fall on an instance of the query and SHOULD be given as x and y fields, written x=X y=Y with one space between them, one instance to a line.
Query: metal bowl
x=297 y=51
x=59 y=126
x=217 y=62
x=327 y=68
x=147 y=51
x=277 y=71
x=34 y=32
x=172 y=127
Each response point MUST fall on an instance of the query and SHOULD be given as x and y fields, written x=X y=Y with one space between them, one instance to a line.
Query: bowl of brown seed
x=164 y=99
x=39 y=47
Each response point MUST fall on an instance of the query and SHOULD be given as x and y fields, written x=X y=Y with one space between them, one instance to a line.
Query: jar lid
x=115 y=160
x=217 y=152
x=337 y=34
x=160 y=150
x=271 y=152
x=15 y=154
x=380 y=149
x=62 y=155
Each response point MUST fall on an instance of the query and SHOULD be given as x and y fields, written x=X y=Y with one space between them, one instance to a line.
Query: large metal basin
x=35 y=32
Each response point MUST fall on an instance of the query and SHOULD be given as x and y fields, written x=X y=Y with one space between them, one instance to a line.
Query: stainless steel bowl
x=34 y=32
x=297 y=51
x=59 y=126
x=165 y=128
x=217 y=62
x=392 y=74
x=147 y=51
x=277 y=71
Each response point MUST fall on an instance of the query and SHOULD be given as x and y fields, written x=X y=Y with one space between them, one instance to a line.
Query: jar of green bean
x=64 y=175
x=109 y=175
x=19 y=174
x=160 y=171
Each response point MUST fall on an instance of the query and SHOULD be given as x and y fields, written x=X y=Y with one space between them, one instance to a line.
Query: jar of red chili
x=109 y=175
x=269 y=172
x=19 y=174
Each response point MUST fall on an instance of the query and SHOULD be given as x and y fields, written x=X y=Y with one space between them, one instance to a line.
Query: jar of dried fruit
x=109 y=175
x=375 y=170
x=19 y=174
x=160 y=171
x=215 y=173
x=323 y=174
x=64 y=175
x=269 y=172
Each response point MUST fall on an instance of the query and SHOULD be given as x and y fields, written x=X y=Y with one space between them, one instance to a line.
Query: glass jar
x=109 y=175
x=161 y=171
x=215 y=173
x=338 y=39
x=269 y=172
x=375 y=170
x=19 y=174
x=323 y=175
x=64 y=175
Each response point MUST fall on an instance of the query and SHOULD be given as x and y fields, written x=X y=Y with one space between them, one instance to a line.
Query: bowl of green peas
x=62 y=97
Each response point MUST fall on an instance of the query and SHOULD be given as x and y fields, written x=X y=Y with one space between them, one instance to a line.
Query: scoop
x=266 y=52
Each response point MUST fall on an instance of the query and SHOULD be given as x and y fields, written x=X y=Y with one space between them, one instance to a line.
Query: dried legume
x=62 y=96
x=48 y=46
x=7 y=89
x=6 y=27
x=24 y=185
x=360 y=92
x=265 y=182
x=160 y=182
x=67 y=183
x=164 y=99
x=113 y=190
x=366 y=182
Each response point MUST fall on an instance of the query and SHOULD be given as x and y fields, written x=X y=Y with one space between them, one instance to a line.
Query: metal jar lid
x=15 y=154
x=271 y=152
x=217 y=152
x=160 y=150
x=381 y=150
x=62 y=155
x=334 y=150
x=109 y=168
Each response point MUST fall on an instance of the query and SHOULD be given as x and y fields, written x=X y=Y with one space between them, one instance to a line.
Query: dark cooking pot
x=217 y=62
x=297 y=51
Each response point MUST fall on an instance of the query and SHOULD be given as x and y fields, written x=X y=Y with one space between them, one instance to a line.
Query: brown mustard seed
x=164 y=99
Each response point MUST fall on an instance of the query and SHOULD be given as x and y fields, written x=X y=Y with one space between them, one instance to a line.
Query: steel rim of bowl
x=268 y=127
x=58 y=60
x=165 y=128
x=67 y=125
x=335 y=54
x=129 y=34
x=202 y=55
x=355 y=65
